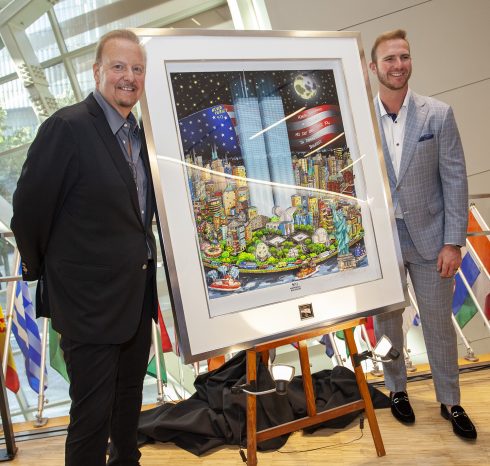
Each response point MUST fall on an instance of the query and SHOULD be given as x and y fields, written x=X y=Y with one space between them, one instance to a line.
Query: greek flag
x=24 y=328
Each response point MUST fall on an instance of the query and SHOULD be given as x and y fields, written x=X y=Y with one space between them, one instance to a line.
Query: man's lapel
x=149 y=195
x=416 y=115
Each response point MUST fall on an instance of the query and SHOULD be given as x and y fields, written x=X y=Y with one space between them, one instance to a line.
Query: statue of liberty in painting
x=341 y=234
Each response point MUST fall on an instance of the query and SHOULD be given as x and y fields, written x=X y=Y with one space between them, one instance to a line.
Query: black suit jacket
x=78 y=227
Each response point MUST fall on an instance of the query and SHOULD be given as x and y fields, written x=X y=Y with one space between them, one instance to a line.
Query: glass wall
x=62 y=40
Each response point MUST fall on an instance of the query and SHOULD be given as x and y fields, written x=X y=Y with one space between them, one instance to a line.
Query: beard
x=393 y=86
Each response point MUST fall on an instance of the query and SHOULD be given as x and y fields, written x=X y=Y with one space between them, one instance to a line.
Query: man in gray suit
x=426 y=170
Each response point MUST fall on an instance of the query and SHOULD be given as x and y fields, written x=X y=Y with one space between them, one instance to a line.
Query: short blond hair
x=388 y=35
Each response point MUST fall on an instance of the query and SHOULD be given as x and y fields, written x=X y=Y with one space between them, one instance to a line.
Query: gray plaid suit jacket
x=431 y=187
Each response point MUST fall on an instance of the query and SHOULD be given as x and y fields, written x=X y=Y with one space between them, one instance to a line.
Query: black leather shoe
x=400 y=407
x=462 y=424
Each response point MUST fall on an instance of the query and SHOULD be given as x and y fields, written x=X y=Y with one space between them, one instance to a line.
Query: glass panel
x=68 y=9
x=59 y=85
x=77 y=22
x=18 y=123
x=10 y=167
x=42 y=39
x=85 y=76
x=6 y=63
x=81 y=25
x=217 y=18
x=6 y=265
x=13 y=95
x=17 y=118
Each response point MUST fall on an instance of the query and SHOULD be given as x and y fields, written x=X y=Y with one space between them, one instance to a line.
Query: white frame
x=200 y=334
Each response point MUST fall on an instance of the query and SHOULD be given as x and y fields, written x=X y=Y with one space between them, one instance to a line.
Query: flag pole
x=408 y=360
x=40 y=420
x=336 y=352
x=8 y=432
x=406 y=350
x=377 y=372
x=154 y=332
x=8 y=315
x=470 y=354
x=473 y=297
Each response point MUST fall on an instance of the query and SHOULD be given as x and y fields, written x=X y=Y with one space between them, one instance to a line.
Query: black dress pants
x=106 y=384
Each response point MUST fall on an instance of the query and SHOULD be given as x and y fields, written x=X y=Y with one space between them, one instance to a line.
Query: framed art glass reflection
x=270 y=189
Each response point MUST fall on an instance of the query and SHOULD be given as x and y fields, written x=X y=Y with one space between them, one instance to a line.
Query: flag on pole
x=165 y=339
x=24 y=328
x=325 y=340
x=11 y=376
x=152 y=361
x=369 y=326
x=481 y=247
x=410 y=317
x=481 y=244
x=152 y=366
x=56 y=358
x=341 y=336
x=164 y=346
x=463 y=306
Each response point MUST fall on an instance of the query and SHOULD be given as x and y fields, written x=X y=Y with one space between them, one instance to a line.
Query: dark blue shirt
x=128 y=135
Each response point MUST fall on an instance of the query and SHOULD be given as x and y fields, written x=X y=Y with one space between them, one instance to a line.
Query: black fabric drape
x=213 y=416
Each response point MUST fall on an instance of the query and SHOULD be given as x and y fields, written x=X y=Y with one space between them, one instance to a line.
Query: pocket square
x=425 y=137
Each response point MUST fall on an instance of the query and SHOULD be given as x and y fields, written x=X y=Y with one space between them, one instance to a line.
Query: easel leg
x=363 y=389
x=307 y=382
x=251 y=410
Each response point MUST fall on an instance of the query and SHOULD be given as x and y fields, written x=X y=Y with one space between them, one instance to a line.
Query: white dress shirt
x=394 y=131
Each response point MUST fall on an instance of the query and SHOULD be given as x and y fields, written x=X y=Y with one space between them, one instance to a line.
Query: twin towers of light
x=266 y=156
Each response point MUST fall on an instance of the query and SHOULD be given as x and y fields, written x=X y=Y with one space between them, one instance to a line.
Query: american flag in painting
x=314 y=127
x=213 y=126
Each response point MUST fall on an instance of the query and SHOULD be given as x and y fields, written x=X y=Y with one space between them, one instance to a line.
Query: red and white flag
x=314 y=127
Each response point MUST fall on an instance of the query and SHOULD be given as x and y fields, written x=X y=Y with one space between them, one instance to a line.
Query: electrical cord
x=340 y=444
x=240 y=451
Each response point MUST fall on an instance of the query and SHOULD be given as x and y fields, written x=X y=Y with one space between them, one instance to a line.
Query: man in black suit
x=82 y=220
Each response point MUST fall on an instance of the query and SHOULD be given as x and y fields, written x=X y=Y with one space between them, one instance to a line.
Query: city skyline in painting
x=300 y=220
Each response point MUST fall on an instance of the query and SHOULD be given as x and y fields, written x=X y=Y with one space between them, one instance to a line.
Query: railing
x=173 y=389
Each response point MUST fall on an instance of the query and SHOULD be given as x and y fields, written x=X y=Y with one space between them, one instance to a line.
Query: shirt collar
x=382 y=109
x=113 y=117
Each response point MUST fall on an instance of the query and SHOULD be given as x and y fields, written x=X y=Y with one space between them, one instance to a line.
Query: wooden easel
x=365 y=403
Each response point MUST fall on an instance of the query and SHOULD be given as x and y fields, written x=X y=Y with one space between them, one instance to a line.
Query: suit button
x=145 y=266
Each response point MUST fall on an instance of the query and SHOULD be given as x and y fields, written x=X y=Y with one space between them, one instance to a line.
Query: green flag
x=466 y=312
x=152 y=365
x=340 y=335
x=56 y=353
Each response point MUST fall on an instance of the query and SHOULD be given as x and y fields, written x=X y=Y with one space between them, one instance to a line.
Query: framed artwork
x=271 y=189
